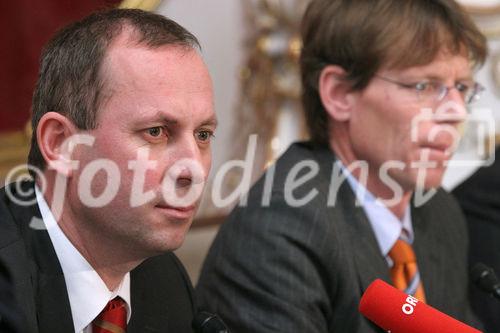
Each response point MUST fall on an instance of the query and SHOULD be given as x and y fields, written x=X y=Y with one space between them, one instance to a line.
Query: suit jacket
x=10 y=317
x=285 y=269
x=161 y=292
x=479 y=197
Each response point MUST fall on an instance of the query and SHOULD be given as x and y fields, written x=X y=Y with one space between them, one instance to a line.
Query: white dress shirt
x=88 y=294
x=386 y=226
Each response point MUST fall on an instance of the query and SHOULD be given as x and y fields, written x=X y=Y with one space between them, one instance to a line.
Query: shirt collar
x=386 y=226
x=87 y=293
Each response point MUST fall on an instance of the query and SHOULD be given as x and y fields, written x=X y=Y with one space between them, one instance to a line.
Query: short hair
x=361 y=36
x=71 y=80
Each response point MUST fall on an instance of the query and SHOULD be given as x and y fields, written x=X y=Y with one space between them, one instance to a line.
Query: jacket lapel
x=54 y=310
x=149 y=297
x=369 y=262
x=427 y=246
x=51 y=298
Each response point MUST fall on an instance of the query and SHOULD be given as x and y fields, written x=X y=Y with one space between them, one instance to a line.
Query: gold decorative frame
x=14 y=148
x=483 y=10
x=487 y=17
x=148 y=5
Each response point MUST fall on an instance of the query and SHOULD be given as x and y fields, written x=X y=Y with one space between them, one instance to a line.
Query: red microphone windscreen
x=397 y=312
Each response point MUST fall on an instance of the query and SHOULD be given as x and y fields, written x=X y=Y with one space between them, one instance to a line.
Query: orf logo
x=409 y=306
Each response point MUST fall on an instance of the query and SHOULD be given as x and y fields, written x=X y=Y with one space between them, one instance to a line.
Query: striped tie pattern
x=113 y=319
x=404 y=272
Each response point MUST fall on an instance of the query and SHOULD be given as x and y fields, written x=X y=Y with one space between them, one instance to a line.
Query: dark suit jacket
x=479 y=197
x=10 y=316
x=161 y=293
x=285 y=269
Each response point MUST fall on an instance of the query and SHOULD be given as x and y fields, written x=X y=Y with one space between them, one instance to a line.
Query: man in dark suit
x=300 y=254
x=479 y=198
x=122 y=122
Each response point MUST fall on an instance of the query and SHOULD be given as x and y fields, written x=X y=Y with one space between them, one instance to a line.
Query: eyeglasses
x=431 y=90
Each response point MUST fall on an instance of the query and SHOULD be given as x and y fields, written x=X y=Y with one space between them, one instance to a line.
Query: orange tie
x=113 y=319
x=404 y=272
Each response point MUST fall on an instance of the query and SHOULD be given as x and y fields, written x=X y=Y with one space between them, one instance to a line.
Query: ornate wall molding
x=149 y=5
x=486 y=14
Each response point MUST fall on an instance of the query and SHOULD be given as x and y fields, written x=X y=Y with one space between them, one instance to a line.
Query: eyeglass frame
x=442 y=90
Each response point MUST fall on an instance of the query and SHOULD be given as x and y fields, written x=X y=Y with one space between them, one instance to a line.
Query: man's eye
x=422 y=86
x=155 y=131
x=462 y=87
x=205 y=135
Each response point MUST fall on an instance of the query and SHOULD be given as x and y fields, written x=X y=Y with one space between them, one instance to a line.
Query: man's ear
x=335 y=92
x=53 y=132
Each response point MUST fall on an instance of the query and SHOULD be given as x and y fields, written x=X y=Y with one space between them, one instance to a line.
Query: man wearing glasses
x=385 y=86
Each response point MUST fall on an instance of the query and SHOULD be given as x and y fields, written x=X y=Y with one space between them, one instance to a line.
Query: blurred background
x=251 y=48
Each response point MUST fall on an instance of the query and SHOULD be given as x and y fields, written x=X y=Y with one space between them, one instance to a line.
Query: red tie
x=113 y=319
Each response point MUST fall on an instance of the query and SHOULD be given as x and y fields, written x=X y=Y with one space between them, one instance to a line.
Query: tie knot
x=402 y=253
x=115 y=303
x=113 y=318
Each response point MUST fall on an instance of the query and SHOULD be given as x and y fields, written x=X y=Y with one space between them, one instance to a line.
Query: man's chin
x=173 y=238
x=432 y=181
x=159 y=247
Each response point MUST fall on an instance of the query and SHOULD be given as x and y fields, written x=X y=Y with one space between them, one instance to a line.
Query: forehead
x=445 y=65
x=126 y=61
x=145 y=80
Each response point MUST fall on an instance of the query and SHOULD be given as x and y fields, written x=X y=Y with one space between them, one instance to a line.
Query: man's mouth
x=436 y=151
x=177 y=212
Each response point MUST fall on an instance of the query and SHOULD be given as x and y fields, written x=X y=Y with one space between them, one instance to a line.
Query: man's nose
x=453 y=107
x=187 y=165
x=455 y=95
x=187 y=148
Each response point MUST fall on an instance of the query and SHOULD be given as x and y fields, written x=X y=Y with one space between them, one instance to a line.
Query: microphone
x=484 y=277
x=397 y=312
x=205 y=322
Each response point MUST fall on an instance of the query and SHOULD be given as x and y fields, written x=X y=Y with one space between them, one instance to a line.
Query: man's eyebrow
x=212 y=121
x=161 y=118
x=158 y=117
x=436 y=77
x=459 y=78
